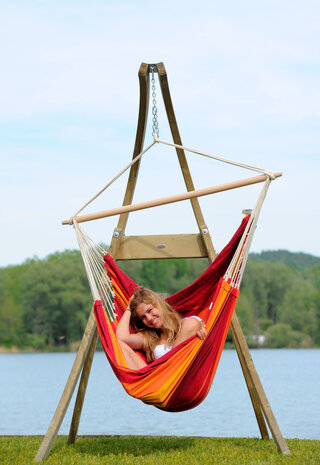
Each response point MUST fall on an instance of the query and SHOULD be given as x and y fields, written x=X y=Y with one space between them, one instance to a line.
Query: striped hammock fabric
x=180 y=379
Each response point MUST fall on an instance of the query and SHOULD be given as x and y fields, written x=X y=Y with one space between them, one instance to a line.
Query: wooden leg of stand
x=252 y=392
x=62 y=407
x=82 y=390
x=241 y=343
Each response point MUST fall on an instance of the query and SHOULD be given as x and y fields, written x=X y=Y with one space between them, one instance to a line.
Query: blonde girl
x=158 y=328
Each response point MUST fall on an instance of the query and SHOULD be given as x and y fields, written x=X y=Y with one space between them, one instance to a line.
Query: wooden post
x=254 y=381
x=82 y=390
x=62 y=407
x=236 y=329
x=115 y=243
x=144 y=83
x=203 y=229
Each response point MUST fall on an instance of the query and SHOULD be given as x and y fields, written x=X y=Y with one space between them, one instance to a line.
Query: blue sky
x=244 y=78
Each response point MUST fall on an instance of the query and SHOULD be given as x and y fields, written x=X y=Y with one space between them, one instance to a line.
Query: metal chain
x=155 y=125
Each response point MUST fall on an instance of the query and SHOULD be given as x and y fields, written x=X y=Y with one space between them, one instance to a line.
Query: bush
x=281 y=335
x=36 y=341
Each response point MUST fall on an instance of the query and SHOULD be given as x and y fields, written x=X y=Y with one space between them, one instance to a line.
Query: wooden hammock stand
x=147 y=247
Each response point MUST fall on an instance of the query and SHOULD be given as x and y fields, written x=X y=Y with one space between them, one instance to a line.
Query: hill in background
x=294 y=260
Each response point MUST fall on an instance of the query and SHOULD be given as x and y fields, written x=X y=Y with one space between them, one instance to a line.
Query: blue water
x=31 y=386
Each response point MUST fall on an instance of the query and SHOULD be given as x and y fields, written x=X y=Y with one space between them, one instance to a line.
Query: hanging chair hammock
x=181 y=378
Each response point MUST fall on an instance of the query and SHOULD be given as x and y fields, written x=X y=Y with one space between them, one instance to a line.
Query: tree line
x=45 y=303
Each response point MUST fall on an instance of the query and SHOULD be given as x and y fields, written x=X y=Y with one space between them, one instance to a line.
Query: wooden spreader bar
x=171 y=199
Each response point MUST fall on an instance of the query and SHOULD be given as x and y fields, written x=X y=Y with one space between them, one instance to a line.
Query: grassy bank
x=159 y=451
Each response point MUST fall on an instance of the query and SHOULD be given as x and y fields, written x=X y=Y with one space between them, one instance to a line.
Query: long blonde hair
x=170 y=318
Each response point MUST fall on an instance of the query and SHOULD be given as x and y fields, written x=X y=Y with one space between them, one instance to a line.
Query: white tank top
x=162 y=349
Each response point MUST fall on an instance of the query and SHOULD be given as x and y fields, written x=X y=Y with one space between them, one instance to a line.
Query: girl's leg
x=133 y=360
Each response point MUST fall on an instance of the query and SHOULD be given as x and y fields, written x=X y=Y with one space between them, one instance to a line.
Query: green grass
x=137 y=450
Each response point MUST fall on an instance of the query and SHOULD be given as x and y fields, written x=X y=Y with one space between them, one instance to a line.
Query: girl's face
x=150 y=315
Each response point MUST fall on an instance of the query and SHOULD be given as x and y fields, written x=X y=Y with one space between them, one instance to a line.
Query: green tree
x=267 y=284
x=47 y=302
x=172 y=275
x=56 y=298
x=313 y=276
x=298 y=308
x=12 y=331
x=281 y=335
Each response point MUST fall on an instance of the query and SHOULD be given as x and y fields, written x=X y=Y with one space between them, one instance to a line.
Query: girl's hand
x=202 y=333
x=129 y=302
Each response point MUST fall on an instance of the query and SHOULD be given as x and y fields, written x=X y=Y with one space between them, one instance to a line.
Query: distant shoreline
x=11 y=350
x=16 y=350
x=30 y=350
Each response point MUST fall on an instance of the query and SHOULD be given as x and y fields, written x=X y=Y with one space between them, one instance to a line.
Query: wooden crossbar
x=170 y=199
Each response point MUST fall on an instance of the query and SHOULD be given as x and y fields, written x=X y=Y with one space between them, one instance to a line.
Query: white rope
x=171 y=144
x=156 y=140
x=94 y=264
x=99 y=281
x=237 y=266
x=113 y=180
x=216 y=157
x=92 y=253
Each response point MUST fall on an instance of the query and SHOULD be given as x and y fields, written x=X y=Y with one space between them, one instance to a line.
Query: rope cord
x=216 y=157
x=113 y=180
x=237 y=266
x=156 y=140
x=99 y=281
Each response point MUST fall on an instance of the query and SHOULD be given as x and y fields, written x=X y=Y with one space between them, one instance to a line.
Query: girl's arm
x=190 y=327
x=135 y=340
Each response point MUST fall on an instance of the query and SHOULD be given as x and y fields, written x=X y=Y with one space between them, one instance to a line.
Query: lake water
x=31 y=386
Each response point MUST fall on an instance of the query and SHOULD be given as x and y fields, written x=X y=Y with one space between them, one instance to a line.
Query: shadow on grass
x=133 y=445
